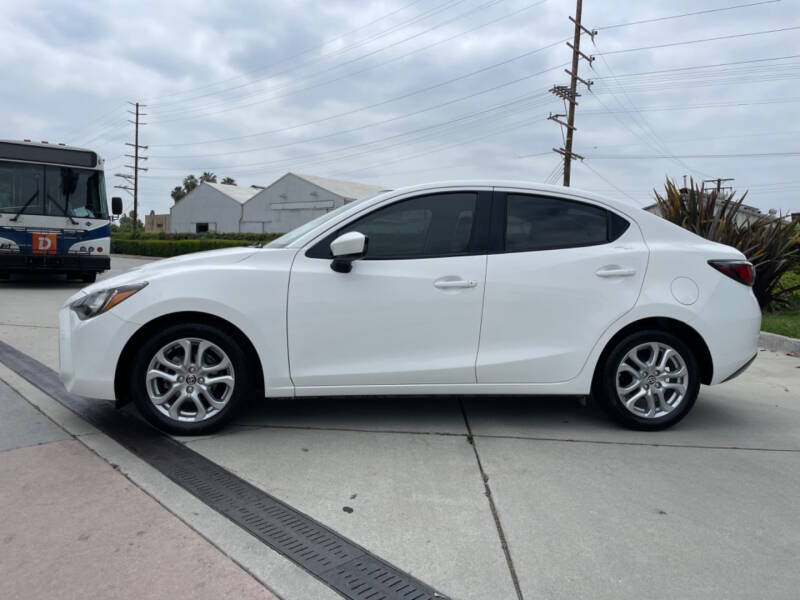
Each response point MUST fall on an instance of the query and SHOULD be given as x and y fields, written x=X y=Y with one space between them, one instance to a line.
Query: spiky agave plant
x=770 y=242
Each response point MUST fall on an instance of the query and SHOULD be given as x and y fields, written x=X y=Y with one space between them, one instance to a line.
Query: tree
x=189 y=183
x=228 y=181
x=177 y=193
x=208 y=176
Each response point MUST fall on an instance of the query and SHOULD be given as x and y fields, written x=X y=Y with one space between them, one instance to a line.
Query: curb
x=779 y=343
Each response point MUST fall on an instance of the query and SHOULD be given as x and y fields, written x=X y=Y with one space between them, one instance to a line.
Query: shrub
x=770 y=242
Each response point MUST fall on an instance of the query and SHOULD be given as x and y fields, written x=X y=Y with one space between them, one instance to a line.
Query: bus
x=53 y=211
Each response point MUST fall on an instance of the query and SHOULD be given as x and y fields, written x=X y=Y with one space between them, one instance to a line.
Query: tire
x=89 y=277
x=645 y=396
x=171 y=402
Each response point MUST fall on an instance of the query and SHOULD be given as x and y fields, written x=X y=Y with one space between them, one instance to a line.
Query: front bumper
x=58 y=263
x=89 y=351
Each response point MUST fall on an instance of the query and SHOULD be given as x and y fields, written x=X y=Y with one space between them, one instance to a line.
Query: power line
x=450 y=124
x=302 y=52
x=387 y=101
x=678 y=69
x=688 y=14
x=608 y=181
x=657 y=156
x=294 y=68
x=697 y=106
x=188 y=114
x=711 y=39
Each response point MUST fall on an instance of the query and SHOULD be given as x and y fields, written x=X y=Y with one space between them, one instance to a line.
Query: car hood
x=224 y=256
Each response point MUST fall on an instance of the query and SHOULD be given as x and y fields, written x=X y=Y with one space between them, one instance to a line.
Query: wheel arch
x=122 y=372
x=685 y=332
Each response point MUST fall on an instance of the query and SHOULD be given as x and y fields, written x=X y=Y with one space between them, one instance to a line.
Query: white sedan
x=485 y=287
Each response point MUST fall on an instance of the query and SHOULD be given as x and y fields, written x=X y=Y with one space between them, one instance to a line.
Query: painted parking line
x=343 y=565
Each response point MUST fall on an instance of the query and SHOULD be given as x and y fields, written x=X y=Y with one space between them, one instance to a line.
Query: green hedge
x=165 y=248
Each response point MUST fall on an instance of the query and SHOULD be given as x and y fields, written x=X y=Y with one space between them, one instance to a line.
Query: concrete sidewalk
x=74 y=527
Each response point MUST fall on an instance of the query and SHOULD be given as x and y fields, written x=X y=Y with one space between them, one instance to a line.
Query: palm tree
x=189 y=183
x=228 y=181
x=177 y=193
x=208 y=176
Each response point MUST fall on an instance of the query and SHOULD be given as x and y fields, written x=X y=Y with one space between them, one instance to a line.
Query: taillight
x=740 y=270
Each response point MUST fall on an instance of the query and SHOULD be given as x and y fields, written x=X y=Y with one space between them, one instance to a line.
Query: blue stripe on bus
x=22 y=237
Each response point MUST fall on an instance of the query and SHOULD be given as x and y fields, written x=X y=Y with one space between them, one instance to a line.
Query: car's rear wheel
x=650 y=380
x=190 y=379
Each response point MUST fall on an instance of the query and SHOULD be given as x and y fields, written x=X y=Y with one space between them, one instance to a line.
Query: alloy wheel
x=190 y=380
x=652 y=380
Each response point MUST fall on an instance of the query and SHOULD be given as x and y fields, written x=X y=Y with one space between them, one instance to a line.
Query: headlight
x=99 y=302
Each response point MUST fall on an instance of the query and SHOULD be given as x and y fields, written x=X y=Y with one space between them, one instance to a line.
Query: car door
x=558 y=274
x=409 y=312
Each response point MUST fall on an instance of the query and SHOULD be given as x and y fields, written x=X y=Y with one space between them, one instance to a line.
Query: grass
x=787 y=321
x=783 y=323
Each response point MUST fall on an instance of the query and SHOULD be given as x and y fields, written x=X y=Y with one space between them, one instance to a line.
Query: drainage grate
x=343 y=565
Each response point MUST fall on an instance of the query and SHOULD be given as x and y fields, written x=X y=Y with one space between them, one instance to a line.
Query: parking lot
x=480 y=498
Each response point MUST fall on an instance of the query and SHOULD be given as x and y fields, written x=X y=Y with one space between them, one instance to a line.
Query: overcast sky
x=395 y=92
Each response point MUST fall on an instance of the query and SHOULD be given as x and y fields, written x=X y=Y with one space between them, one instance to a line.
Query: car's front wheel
x=190 y=379
x=650 y=380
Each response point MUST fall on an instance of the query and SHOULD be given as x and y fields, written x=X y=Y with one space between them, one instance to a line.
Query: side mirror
x=346 y=248
x=116 y=206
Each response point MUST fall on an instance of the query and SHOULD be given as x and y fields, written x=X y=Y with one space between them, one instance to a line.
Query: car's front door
x=559 y=273
x=409 y=312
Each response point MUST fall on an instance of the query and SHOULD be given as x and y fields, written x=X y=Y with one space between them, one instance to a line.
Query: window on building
x=201 y=228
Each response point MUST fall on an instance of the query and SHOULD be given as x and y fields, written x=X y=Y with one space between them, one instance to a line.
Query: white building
x=210 y=207
x=287 y=203
x=295 y=199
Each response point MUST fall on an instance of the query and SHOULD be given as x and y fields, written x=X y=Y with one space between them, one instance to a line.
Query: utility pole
x=570 y=94
x=719 y=187
x=134 y=176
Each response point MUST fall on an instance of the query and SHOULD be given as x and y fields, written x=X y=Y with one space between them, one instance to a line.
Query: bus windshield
x=51 y=190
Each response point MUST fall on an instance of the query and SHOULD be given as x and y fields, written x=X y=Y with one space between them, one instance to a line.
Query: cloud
x=329 y=88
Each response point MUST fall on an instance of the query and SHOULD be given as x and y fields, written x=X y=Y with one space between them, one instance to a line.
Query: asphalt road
x=707 y=509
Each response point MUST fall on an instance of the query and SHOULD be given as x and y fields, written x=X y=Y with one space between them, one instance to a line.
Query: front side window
x=423 y=227
x=541 y=223
x=77 y=192
x=21 y=188
x=52 y=191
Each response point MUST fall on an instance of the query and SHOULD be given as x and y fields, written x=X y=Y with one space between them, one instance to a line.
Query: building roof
x=351 y=190
x=234 y=192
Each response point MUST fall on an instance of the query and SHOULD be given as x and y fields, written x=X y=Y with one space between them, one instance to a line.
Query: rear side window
x=423 y=227
x=541 y=223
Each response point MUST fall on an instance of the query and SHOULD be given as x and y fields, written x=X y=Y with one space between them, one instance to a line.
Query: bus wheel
x=4 y=275
x=89 y=277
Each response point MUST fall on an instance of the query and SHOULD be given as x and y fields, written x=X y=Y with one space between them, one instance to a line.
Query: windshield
x=299 y=232
x=52 y=191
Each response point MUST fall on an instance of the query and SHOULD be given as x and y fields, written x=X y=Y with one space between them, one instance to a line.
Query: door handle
x=449 y=284
x=614 y=271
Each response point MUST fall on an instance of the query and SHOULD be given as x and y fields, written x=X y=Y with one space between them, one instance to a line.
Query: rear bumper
x=57 y=263
x=730 y=324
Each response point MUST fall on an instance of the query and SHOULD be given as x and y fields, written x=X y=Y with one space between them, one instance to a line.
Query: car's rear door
x=409 y=312
x=559 y=272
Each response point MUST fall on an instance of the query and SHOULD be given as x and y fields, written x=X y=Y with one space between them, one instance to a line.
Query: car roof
x=512 y=184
